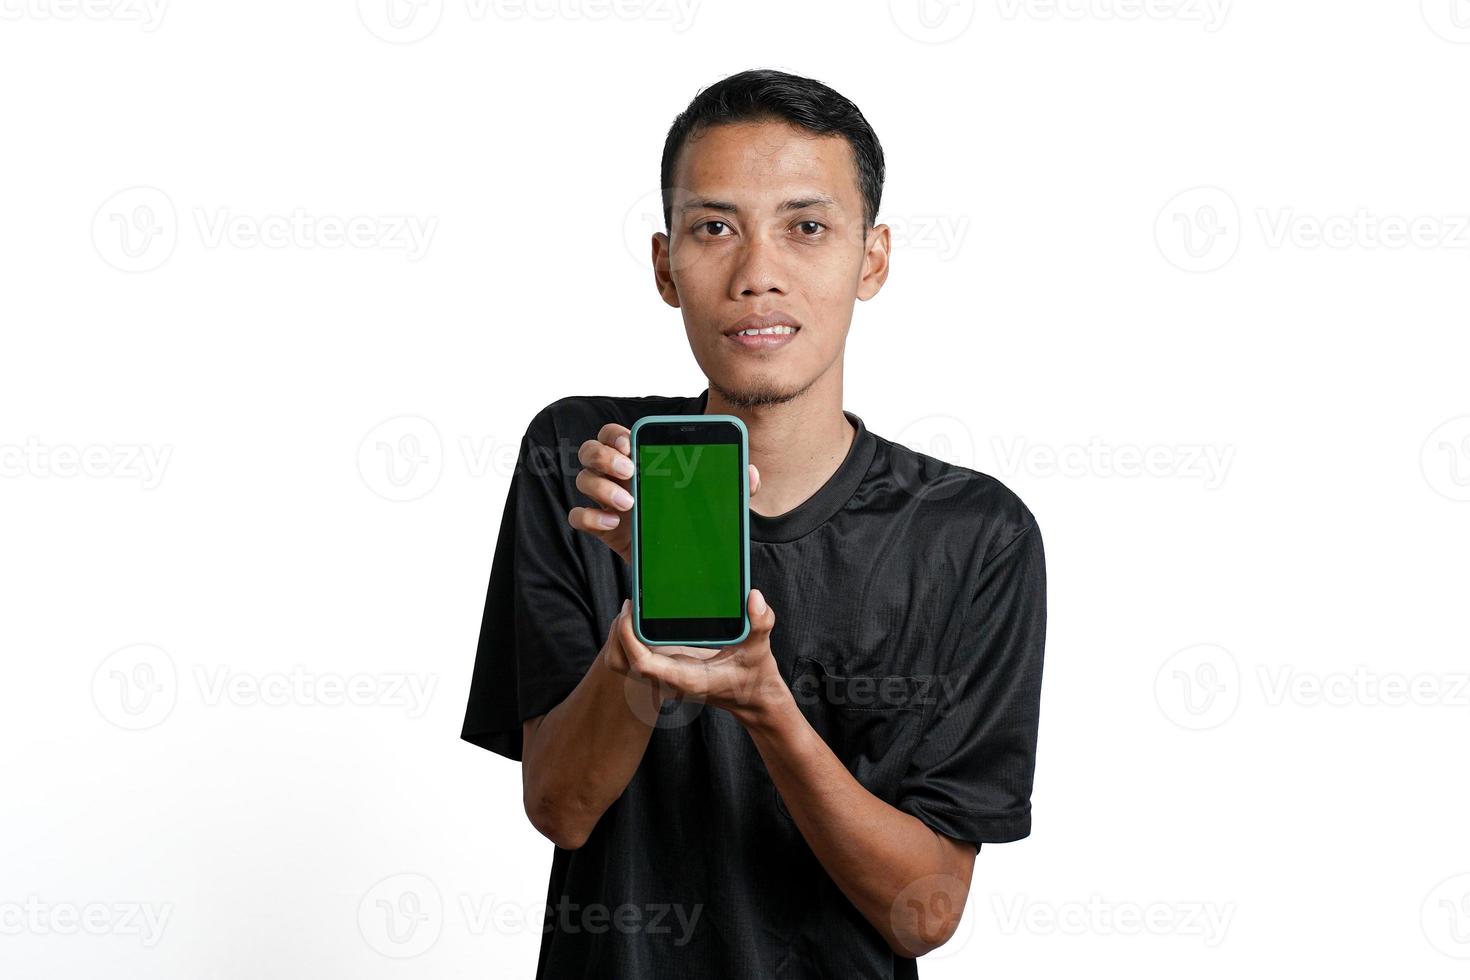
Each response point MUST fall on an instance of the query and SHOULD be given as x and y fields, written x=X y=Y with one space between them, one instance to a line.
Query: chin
x=758 y=388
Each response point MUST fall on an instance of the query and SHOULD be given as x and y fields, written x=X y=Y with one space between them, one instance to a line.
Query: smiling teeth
x=752 y=331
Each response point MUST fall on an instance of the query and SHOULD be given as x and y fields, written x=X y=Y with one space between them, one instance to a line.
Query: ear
x=876 y=249
x=663 y=279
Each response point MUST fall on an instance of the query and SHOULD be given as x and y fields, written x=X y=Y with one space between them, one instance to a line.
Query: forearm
x=903 y=877
x=584 y=751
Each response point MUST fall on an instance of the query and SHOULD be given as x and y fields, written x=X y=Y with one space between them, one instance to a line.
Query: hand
x=606 y=477
x=742 y=678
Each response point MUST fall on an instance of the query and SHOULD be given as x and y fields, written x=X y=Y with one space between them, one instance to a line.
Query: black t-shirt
x=910 y=599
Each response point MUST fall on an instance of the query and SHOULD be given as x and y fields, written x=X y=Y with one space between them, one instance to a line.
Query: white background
x=1180 y=232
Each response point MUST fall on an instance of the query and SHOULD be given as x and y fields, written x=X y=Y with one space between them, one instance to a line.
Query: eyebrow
x=795 y=204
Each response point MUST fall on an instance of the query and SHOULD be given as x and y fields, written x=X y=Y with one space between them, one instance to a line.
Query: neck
x=796 y=445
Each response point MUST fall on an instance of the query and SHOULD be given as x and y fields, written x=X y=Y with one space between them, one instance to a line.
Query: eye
x=705 y=226
x=816 y=227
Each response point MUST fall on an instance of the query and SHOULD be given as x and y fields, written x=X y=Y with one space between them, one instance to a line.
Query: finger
x=604 y=459
x=593 y=520
x=616 y=658
x=699 y=654
x=762 y=617
x=755 y=479
x=640 y=658
x=609 y=493
x=645 y=699
x=671 y=674
x=615 y=435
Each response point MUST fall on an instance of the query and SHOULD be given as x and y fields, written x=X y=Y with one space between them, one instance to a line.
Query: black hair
x=763 y=94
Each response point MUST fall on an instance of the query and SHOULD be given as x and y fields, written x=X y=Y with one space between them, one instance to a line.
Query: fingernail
x=622 y=498
x=626 y=604
x=623 y=466
x=623 y=444
x=608 y=520
x=760 y=601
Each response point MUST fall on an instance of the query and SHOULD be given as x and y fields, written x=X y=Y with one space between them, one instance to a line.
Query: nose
x=757 y=270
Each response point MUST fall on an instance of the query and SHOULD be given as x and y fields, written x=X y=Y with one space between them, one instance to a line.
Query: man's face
x=767 y=219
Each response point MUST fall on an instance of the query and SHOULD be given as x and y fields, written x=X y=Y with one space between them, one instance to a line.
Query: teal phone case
x=744 y=530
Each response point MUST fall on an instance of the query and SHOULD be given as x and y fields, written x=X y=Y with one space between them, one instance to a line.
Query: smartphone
x=691 y=530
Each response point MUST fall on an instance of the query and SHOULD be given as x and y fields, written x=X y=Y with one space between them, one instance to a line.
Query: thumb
x=762 y=616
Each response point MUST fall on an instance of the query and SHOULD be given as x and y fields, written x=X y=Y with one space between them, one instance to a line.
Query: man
x=807 y=803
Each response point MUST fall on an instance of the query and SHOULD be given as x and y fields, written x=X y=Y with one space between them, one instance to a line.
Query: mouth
x=757 y=339
x=761 y=332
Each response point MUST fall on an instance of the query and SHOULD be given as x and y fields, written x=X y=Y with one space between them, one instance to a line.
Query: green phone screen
x=689 y=520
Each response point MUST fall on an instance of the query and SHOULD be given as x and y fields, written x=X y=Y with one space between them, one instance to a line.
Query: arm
x=580 y=755
x=906 y=879
x=971 y=776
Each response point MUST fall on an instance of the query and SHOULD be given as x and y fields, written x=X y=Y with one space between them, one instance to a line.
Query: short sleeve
x=972 y=771
x=538 y=634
